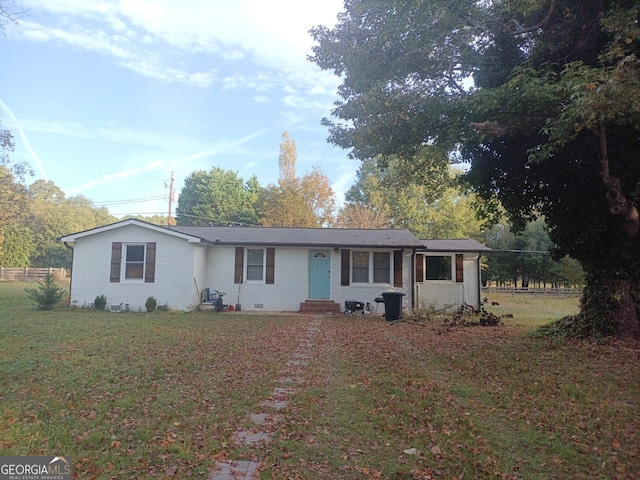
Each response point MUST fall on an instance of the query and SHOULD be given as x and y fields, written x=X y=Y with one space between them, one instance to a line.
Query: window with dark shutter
x=150 y=263
x=345 y=263
x=116 y=260
x=459 y=268
x=239 y=265
x=270 y=272
x=419 y=267
x=397 y=268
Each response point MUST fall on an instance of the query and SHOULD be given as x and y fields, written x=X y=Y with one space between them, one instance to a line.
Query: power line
x=133 y=200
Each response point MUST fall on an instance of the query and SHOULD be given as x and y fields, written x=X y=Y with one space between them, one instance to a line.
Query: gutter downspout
x=413 y=279
x=479 y=281
x=66 y=244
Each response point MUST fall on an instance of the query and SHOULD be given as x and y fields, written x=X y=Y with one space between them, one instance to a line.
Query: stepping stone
x=283 y=391
x=275 y=404
x=251 y=438
x=260 y=418
x=294 y=380
x=241 y=470
x=268 y=419
x=302 y=363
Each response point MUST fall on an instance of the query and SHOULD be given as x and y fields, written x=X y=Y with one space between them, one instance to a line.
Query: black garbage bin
x=392 y=305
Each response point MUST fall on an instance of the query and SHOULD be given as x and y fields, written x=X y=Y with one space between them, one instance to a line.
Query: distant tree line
x=524 y=260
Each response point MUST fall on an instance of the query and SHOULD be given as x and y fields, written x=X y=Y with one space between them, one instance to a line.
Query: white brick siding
x=291 y=285
x=174 y=274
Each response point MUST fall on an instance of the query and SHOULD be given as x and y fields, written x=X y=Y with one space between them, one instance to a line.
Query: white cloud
x=274 y=34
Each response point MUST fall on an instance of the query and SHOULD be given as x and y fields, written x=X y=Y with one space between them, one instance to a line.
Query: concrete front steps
x=320 y=307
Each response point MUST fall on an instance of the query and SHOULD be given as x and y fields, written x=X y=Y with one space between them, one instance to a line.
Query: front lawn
x=161 y=395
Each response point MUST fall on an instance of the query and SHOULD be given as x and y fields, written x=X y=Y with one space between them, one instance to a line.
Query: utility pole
x=170 y=198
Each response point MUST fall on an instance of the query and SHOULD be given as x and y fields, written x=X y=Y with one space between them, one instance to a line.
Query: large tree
x=306 y=201
x=540 y=97
x=216 y=197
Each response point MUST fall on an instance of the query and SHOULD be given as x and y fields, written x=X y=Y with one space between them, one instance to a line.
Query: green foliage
x=16 y=246
x=48 y=294
x=52 y=254
x=34 y=218
x=217 y=197
x=100 y=302
x=419 y=193
x=526 y=258
x=13 y=200
x=150 y=304
x=52 y=215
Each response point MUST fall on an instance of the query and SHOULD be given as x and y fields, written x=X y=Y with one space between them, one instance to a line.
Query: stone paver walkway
x=277 y=401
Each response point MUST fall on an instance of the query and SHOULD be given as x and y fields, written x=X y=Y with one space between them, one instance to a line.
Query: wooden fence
x=32 y=274
x=533 y=291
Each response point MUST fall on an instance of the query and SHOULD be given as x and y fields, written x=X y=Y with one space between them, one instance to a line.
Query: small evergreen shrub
x=100 y=302
x=48 y=294
x=150 y=304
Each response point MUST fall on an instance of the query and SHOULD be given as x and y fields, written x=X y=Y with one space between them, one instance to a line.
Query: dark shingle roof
x=321 y=237
x=457 y=245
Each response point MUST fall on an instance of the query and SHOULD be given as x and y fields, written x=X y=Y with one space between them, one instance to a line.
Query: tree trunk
x=626 y=318
x=609 y=308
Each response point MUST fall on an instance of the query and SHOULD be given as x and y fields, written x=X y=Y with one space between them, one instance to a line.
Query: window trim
x=451 y=268
x=371 y=269
x=119 y=264
x=247 y=265
x=127 y=263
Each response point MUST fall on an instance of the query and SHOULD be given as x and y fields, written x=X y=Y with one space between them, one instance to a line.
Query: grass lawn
x=161 y=395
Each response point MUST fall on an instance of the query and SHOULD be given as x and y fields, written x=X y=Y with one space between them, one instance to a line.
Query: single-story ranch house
x=269 y=269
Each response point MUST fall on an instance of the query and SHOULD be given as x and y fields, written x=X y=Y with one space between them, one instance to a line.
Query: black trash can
x=392 y=305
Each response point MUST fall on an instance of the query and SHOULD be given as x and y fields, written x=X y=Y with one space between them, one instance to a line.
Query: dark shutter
x=397 y=268
x=271 y=262
x=459 y=268
x=345 y=266
x=150 y=263
x=419 y=267
x=239 y=266
x=116 y=261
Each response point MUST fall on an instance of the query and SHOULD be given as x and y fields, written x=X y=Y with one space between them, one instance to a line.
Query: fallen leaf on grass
x=436 y=450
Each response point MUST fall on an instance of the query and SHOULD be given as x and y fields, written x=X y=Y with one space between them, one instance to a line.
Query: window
x=137 y=259
x=438 y=267
x=359 y=264
x=360 y=272
x=381 y=267
x=258 y=266
x=134 y=262
x=377 y=262
x=255 y=265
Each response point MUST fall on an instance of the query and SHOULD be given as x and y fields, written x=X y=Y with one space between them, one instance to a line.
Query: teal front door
x=319 y=274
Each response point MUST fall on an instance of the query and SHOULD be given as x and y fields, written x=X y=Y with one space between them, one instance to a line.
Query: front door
x=319 y=274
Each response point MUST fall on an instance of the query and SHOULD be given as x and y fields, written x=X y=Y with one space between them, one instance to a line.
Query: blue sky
x=107 y=97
